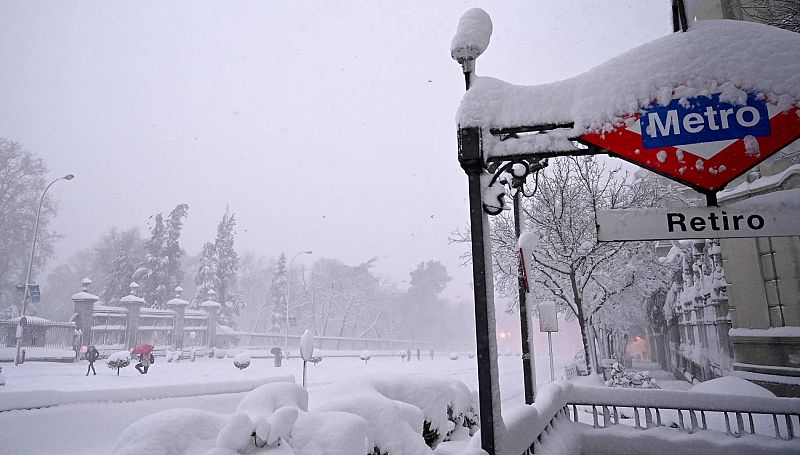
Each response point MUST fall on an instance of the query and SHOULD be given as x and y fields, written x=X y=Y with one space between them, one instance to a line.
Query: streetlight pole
x=30 y=260
x=288 y=288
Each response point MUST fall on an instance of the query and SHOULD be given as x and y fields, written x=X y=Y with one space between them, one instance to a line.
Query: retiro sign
x=695 y=222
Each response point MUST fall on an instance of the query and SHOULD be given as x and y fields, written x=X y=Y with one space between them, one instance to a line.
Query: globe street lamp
x=288 y=288
x=30 y=261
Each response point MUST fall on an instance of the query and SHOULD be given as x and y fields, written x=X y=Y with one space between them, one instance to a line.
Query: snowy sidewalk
x=40 y=384
x=664 y=379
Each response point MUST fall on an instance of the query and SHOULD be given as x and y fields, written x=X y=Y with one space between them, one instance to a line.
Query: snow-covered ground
x=214 y=385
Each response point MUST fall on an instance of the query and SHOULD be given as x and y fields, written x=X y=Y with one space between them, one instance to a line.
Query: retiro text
x=678 y=222
x=697 y=222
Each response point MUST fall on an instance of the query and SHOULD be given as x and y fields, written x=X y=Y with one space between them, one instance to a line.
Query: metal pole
x=288 y=288
x=530 y=393
x=30 y=260
x=550 y=346
x=488 y=383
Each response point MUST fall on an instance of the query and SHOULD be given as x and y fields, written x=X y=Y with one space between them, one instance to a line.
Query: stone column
x=178 y=305
x=84 y=308
x=211 y=307
x=133 y=304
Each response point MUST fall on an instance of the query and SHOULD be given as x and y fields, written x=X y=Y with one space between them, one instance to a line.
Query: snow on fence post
x=133 y=304
x=178 y=305
x=83 y=306
x=211 y=307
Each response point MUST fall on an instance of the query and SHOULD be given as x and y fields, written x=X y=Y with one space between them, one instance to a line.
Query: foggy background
x=324 y=126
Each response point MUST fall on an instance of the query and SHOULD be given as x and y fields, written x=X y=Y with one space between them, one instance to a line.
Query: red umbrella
x=142 y=349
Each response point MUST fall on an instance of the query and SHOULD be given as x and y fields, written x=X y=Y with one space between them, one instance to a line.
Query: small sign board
x=695 y=222
x=35 y=293
x=704 y=141
x=548 y=317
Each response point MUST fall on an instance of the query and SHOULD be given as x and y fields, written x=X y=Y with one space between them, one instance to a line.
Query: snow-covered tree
x=22 y=180
x=343 y=299
x=778 y=13
x=227 y=261
x=230 y=310
x=571 y=267
x=206 y=276
x=277 y=296
x=161 y=271
x=255 y=278
x=126 y=247
x=219 y=264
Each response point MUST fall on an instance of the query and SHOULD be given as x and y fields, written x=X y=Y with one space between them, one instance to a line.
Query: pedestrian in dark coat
x=91 y=355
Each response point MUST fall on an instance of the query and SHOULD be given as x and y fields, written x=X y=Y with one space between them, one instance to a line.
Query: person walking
x=92 y=354
x=145 y=359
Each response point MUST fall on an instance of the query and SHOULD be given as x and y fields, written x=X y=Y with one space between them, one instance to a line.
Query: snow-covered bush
x=453 y=356
x=241 y=361
x=405 y=415
x=119 y=360
x=365 y=355
x=172 y=356
x=619 y=377
x=220 y=353
x=385 y=416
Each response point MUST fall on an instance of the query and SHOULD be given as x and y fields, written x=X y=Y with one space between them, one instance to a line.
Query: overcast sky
x=323 y=125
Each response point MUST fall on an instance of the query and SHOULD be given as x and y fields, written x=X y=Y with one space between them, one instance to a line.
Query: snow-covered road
x=92 y=427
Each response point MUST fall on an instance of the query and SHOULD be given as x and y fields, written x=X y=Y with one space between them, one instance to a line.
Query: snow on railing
x=651 y=404
x=689 y=412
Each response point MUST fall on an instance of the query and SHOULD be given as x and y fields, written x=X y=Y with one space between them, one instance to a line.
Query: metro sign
x=703 y=142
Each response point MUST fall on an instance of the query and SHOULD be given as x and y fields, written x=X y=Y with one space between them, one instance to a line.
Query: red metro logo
x=703 y=142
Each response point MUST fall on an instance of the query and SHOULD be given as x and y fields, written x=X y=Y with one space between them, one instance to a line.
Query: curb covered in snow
x=31 y=399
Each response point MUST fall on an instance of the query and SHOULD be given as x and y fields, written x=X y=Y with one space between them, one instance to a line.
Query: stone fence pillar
x=133 y=304
x=178 y=305
x=84 y=306
x=211 y=308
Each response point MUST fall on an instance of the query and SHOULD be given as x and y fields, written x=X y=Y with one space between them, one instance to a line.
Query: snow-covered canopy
x=720 y=56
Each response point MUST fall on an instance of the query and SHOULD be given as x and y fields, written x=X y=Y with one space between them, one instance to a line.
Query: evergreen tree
x=119 y=277
x=227 y=259
x=127 y=248
x=161 y=271
x=231 y=309
x=277 y=293
x=205 y=279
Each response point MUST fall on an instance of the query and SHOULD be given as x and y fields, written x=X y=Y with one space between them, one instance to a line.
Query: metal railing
x=640 y=409
x=649 y=409
x=42 y=339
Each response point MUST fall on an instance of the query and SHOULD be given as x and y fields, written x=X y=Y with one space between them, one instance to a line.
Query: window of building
x=771 y=281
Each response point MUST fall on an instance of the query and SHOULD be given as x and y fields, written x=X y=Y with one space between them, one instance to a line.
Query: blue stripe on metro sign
x=705 y=120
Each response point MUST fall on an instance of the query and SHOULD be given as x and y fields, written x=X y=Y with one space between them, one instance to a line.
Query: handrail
x=561 y=399
x=678 y=399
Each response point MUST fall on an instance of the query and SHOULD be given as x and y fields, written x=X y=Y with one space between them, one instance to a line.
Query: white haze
x=326 y=126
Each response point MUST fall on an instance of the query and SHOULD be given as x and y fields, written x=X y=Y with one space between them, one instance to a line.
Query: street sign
x=696 y=222
x=23 y=321
x=35 y=293
x=704 y=142
x=548 y=317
